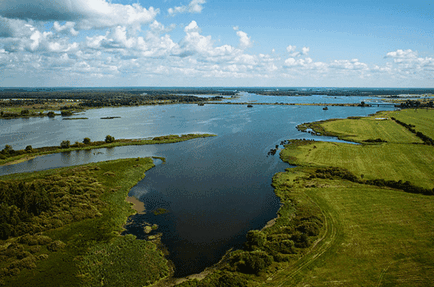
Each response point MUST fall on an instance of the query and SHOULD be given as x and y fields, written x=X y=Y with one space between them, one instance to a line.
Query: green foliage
x=91 y=218
x=8 y=149
x=25 y=112
x=29 y=148
x=86 y=140
x=251 y=262
x=255 y=240
x=109 y=139
x=65 y=144
x=124 y=261
x=66 y=113
x=51 y=114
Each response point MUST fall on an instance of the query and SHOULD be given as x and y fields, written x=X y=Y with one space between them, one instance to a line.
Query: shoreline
x=26 y=156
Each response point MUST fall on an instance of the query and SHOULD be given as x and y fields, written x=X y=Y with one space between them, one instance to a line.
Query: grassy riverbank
x=13 y=157
x=71 y=237
x=374 y=234
x=358 y=206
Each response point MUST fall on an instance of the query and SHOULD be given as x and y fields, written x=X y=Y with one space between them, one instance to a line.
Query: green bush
x=29 y=148
x=255 y=240
x=109 y=139
x=65 y=144
x=251 y=262
x=86 y=140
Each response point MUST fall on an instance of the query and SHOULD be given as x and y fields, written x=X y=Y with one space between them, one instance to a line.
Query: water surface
x=215 y=189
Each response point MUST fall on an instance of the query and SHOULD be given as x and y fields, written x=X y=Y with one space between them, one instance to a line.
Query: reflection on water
x=214 y=189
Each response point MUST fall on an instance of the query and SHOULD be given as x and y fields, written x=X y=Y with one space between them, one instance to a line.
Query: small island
x=10 y=156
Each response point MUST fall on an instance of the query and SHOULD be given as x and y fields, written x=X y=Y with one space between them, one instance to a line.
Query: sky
x=205 y=43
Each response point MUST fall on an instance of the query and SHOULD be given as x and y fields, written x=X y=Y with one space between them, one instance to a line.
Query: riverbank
x=372 y=225
x=8 y=156
x=73 y=238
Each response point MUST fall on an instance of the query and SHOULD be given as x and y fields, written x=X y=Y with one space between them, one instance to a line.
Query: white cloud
x=402 y=54
x=87 y=14
x=68 y=28
x=305 y=50
x=245 y=41
x=195 y=6
x=291 y=49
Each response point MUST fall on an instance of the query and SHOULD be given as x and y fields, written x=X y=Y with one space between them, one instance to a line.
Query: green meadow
x=374 y=235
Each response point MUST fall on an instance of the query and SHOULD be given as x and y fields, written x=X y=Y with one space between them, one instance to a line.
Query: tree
x=86 y=140
x=109 y=139
x=29 y=148
x=66 y=113
x=25 y=112
x=8 y=149
x=65 y=144
x=51 y=114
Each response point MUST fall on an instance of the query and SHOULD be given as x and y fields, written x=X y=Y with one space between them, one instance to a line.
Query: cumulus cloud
x=291 y=49
x=293 y=53
x=408 y=62
x=402 y=54
x=87 y=14
x=195 y=6
x=245 y=41
x=67 y=28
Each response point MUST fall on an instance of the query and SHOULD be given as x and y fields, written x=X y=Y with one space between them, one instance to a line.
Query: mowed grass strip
x=381 y=161
x=374 y=237
x=384 y=237
x=378 y=126
x=423 y=119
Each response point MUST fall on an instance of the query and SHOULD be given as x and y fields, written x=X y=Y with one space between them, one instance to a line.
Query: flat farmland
x=372 y=235
x=406 y=162
x=378 y=126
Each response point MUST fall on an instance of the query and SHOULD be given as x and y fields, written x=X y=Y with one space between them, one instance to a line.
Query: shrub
x=251 y=262
x=86 y=140
x=29 y=148
x=255 y=240
x=51 y=114
x=65 y=144
x=56 y=245
x=25 y=112
x=109 y=139
x=8 y=149
x=66 y=113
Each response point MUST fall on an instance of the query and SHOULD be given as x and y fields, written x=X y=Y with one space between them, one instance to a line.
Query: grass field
x=423 y=119
x=372 y=236
x=379 y=126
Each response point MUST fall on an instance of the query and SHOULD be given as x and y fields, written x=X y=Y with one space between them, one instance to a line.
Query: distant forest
x=90 y=93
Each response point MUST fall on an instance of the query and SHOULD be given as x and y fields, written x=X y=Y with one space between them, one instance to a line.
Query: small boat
x=201 y=104
x=249 y=106
x=325 y=108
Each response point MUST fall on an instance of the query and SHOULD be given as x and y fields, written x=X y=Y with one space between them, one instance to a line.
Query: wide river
x=215 y=189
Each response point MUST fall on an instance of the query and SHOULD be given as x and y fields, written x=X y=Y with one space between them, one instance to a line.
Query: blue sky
x=216 y=43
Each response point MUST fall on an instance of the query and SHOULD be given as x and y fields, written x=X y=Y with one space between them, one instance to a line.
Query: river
x=214 y=189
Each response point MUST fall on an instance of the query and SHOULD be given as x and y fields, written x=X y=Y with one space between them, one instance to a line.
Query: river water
x=214 y=189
